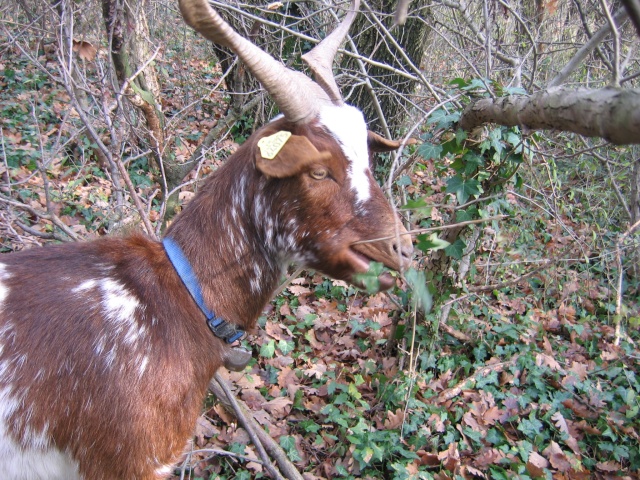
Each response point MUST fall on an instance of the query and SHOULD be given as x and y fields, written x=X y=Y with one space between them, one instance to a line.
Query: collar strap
x=221 y=329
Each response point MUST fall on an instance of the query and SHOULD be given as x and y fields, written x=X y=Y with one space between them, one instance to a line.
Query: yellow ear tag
x=271 y=145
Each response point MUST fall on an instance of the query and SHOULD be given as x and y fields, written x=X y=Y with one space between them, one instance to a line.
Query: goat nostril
x=405 y=250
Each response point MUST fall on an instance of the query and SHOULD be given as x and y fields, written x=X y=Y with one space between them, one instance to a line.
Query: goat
x=107 y=347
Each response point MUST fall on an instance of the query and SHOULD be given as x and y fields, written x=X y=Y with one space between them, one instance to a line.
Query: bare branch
x=586 y=49
x=610 y=113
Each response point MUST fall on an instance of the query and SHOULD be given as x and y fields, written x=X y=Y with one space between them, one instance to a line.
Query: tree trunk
x=128 y=34
x=394 y=92
x=610 y=113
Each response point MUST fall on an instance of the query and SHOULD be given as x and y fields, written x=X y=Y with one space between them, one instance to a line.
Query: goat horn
x=298 y=97
x=320 y=58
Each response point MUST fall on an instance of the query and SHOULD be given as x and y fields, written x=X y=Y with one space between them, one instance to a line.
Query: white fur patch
x=4 y=274
x=164 y=471
x=34 y=464
x=142 y=365
x=34 y=459
x=4 y=290
x=119 y=307
x=346 y=124
x=85 y=286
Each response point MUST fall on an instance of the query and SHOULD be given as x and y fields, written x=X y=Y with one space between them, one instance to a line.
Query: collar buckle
x=224 y=330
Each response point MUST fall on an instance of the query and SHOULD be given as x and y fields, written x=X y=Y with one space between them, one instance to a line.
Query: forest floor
x=530 y=379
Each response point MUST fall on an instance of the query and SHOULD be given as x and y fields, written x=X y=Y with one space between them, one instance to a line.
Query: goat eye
x=319 y=174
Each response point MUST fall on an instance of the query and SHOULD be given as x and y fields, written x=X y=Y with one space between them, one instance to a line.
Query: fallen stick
x=261 y=439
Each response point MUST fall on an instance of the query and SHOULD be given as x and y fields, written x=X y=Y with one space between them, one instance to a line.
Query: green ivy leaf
x=288 y=444
x=268 y=349
x=515 y=91
x=474 y=84
x=457 y=164
x=442 y=119
x=463 y=188
x=404 y=181
x=459 y=82
x=417 y=280
x=369 y=280
x=461 y=136
x=531 y=426
x=495 y=138
x=286 y=346
x=467 y=214
x=429 y=150
x=513 y=138
x=456 y=249
x=431 y=242
x=414 y=204
x=472 y=161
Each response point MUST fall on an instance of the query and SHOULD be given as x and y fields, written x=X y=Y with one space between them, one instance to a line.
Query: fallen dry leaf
x=549 y=361
x=278 y=407
x=394 y=419
x=557 y=457
x=537 y=464
x=580 y=370
x=450 y=458
x=579 y=409
x=85 y=50
x=609 y=466
x=204 y=429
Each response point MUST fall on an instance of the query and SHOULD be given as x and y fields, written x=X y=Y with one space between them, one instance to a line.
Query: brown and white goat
x=105 y=357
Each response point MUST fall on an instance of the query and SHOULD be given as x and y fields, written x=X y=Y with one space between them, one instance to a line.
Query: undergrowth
x=517 y=370
x=529 y=376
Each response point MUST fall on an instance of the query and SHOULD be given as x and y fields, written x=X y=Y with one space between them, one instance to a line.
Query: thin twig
x=616 y=44
x=435 y=229
x=222 y=383
x=619 y=243
x=286 y=283
x=45 y=216
x=586 y=49
x=456 y=390
x=134 y=195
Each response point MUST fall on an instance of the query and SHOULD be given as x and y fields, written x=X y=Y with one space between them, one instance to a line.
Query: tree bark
x=610 y=113
x=128 y=33
x=394 y=92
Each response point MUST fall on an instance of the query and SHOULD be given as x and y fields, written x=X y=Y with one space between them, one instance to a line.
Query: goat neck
x=233 y=258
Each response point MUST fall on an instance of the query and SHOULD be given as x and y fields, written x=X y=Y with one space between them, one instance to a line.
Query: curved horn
x=298 y=97
x=320 y=58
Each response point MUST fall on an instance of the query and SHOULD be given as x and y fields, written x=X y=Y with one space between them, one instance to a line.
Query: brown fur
x=124 y=408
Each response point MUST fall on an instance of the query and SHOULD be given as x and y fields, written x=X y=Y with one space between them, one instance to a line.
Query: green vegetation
x=510 y=350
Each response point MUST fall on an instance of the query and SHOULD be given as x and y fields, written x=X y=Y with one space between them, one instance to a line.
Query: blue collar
x=221 y=329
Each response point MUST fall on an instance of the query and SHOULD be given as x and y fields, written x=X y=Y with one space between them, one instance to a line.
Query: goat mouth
x=362 y=263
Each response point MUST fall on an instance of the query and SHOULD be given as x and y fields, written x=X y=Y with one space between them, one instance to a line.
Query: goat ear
x=294 y=156
x=380 y=144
